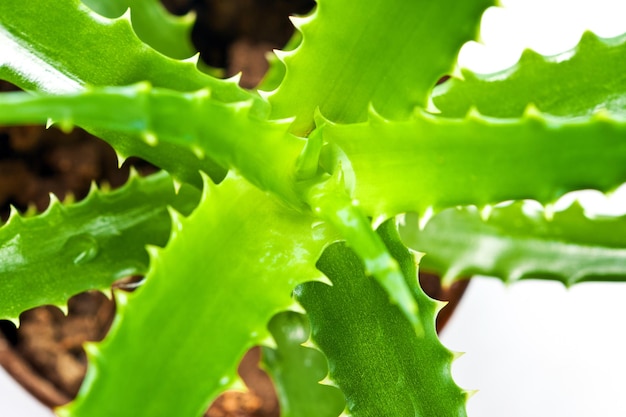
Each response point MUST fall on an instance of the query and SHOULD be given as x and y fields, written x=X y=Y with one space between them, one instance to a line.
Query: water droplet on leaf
x=82 y=248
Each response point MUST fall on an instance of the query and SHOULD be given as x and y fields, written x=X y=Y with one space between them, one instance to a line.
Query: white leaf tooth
x=120 y=159
x=456 y=354
x=417 y=255
x=188 y=18
x=133 y=174
x=127 y=16
x=283 y=55
x=457 y=73
x=474 y=114
x=242 y=107
x=300 y=21
x=49 y=123
x=31 y=210
x=177 y=184
x=66 y=125
x=198 y=151
x=373 y=116
x=177 y=221
x=150 y=138
x=485 y=212
x=265 y=95
x=192 y=59
x=425 y=217
x=202 y=94
x=13 y=214
x=121 y=298
x=234 y=79
x=531 y=112
x=153 y=252
x=449 y=276
x=309 y=344
x=108 y=293
x=237 y=384
x=439 y=305
x=54 y=200
x=548 y=212
x=63 y=308
x=296 y=307
x=470 y=393
x=15 y=321
x=324 y=280
x=329 y=382
x=69 y=198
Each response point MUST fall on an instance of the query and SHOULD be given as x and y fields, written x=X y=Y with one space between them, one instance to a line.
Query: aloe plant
x=273 y=222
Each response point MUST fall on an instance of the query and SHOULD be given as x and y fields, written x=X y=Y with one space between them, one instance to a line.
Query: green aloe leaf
x=86 y=245
x=297 y=370
x=431 y=162
x=168 y=34
x=515 y=243
x=335 y=59
x=576 y=82
x=228 y=133
x=382 y=366
x=218 y=294
x=87 y=49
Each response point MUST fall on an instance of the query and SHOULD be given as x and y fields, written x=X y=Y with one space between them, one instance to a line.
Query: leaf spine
x=299 y=22
x=195 y=57
x=63 y=308
x=373 y=116
x=150 y=138
x=531 y=112
x=425 y=217
x=177 y=222
x=485 y=212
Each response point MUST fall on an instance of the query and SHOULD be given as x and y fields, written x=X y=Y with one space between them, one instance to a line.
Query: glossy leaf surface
x=297 y=370
x=250 y=246
x=168 y=34
x=382 y=366
x=432 y=162
x=414 y=42
x=590 y=77
x=87 y=49
x=516 y=243
x=87 y=245
x=228 y=133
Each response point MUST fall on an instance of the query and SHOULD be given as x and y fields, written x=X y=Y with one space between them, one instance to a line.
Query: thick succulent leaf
x=374 y=53
x=382 y=366
x=225 y=133
x=297 y=370
x=515 y=243
x=226 y=271
x=331 y=202
x=430 y=163
x=87 y=245
x=576 y=82
x=260 y=150
x=87 y=49
x=168 y=34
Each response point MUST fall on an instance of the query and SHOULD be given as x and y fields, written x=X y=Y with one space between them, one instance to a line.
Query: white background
x=535 y=348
